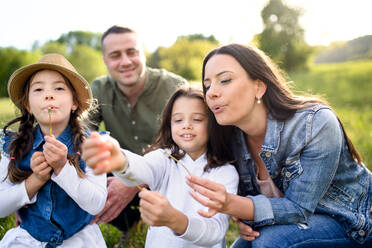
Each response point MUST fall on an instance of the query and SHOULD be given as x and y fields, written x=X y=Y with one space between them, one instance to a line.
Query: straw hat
x=55 y=62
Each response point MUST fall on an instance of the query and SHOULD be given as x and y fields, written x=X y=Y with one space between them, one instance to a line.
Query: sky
x=160 y=22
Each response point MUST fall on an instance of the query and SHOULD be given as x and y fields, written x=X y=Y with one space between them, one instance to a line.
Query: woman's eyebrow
x=222 y=72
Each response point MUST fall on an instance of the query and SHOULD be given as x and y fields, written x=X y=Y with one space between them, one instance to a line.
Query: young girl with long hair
x=182 y=146
x=41 y=174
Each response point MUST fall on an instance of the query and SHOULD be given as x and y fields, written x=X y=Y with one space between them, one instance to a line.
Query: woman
x=302 y=182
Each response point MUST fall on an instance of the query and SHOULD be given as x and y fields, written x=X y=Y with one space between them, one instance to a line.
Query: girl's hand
x=246 y=232
x=157 y=211
x=215 y=195
x=102 y=153
x=39 y=166
x=55 y=153
x=41 y=174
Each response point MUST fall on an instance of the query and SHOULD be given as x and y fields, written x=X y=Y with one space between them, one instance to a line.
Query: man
x=130 y=100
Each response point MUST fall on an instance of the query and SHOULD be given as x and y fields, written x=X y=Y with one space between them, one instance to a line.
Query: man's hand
x=246 y=232
x=18 y=219
x=119 y=195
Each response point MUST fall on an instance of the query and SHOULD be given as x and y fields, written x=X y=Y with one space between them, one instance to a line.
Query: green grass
x=346 y=86
x=348 y=89
x=7 y=111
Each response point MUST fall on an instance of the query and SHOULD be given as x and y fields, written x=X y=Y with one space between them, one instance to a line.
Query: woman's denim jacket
x=309 y=161
x=54 y=216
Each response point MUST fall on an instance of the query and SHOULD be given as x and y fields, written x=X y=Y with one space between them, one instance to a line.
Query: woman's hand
x=246 y=232
x=55 y=153
x=216 y=198
x=102 y=153
x=157 y=211
x=40 y=168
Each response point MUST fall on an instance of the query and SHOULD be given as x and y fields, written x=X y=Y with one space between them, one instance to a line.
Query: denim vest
x=54 y=216
x=308 y=159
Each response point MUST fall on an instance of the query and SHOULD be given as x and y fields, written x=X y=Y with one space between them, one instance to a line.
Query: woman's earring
x=258 y=100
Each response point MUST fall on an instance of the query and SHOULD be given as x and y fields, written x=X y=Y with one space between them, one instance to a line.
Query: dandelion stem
x=177 y=161
x=134 y=182
x=50 y=120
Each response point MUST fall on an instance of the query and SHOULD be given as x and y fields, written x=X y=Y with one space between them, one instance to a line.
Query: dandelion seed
x=177 y=161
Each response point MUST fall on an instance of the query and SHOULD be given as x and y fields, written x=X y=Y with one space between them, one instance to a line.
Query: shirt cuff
x=263 y=211
x=26 y=199
x=192 y=232
x=64 y=173
x=126 y=175
x=125 y=166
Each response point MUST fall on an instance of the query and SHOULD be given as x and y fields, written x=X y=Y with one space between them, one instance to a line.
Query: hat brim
x=18 y=79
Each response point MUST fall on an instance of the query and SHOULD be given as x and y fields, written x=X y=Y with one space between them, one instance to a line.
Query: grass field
x=346 y=86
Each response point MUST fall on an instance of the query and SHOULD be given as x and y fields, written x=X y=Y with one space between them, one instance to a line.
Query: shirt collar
x=148 y=82
x=64 y=137
x=271 y=141
x=195 y=167
x=272 y=136
x=202 y=158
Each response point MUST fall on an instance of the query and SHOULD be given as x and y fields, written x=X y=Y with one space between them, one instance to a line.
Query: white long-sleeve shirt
x=165 y=176
x=89 y=193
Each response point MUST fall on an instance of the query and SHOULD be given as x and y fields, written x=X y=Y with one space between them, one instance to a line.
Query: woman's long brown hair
x=279 y=100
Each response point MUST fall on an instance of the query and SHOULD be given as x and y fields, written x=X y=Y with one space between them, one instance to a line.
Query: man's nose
x=125 y=60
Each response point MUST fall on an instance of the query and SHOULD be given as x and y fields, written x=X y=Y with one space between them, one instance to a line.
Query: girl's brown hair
x=217 y=150
x=22 y=141
x=281 y=103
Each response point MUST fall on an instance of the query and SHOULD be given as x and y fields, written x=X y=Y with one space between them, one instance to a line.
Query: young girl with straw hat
x=41 y=174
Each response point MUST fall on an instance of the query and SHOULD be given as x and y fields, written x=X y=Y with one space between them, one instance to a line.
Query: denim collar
x=64 y=137
x=272 y=136
x=271 y=141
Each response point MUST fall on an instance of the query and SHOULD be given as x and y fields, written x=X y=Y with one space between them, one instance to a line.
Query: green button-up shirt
x=133 y=126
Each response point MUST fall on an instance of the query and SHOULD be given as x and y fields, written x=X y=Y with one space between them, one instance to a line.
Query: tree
x=185 y=56
x=193 y=37
x=82 y=49
x=283 y=37
x=11 y=60
x=54 y=47
x=87 y=61
x=73 y=38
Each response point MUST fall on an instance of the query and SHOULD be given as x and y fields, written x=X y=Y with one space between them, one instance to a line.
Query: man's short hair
x=115 y=30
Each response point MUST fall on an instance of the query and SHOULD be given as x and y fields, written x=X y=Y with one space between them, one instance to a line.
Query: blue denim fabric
x=321 y=231
x=54 y=216
x=308 y=159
